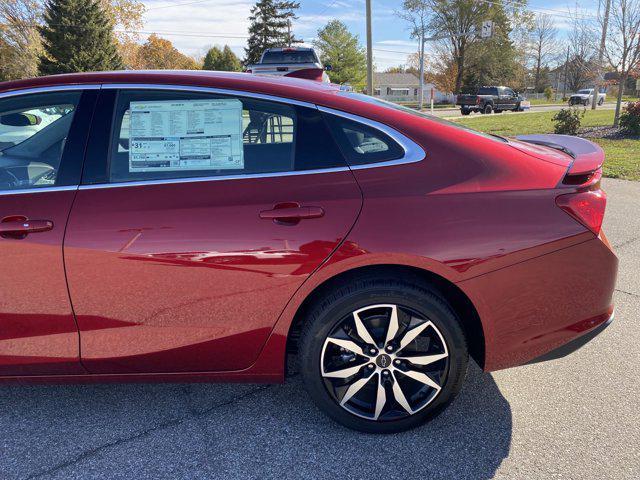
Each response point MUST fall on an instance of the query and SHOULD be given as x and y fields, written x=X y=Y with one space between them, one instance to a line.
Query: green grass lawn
x=622 y=156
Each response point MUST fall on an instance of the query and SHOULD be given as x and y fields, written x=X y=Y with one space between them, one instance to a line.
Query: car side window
x=362 y=144
x=33 y=133
x=509 y=92
x=164 y=134
x=172 y=134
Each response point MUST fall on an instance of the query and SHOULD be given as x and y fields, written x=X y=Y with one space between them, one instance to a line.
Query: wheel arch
x=462 y=306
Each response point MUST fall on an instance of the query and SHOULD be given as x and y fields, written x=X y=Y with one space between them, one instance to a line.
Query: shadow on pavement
x=236 y=431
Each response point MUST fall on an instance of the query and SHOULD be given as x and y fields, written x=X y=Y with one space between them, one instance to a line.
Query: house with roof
x=405 y=88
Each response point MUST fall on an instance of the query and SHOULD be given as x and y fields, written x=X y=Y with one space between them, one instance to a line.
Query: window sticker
x=176 y=135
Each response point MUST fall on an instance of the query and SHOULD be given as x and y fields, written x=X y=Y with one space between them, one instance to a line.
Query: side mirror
x=20 y=120
x=328 y=68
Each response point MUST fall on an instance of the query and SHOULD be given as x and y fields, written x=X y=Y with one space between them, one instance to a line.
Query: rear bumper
x=543 y=304
x=574 y=344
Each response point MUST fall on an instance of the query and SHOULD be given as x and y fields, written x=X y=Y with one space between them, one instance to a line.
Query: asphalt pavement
x=574 y=418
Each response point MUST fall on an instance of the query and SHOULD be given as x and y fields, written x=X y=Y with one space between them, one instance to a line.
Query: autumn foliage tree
x=160 y=54
x=20 y=43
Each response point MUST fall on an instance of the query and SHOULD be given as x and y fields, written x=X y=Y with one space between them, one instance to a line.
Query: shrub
x=567 y=121
x=548 y=93
x=630 y=118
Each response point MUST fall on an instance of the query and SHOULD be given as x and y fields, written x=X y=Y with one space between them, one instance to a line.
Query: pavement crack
x=628 y=293
x=626 y=242
x=142 y=434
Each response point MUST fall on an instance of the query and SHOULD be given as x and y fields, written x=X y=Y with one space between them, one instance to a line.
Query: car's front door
x=201 y=215
x=42 y=140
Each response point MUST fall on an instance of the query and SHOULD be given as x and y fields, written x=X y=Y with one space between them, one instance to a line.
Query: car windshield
x=586 y=91
x=411 y=111
x=289 y=56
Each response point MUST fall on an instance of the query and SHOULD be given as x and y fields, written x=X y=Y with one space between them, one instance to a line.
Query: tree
x=222 y=60
x=581 y=64
x=416 y=13
x=160 y=54
x=78 y=37
x=212 y=59
x=270 y=27
x=492 y=61
x=20 y=43
x=341 y=49
x=455 y=23
x=544 y=45
x=622 y=48
x=127 y=15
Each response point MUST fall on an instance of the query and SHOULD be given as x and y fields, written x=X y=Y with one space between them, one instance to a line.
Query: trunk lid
x=582 y=157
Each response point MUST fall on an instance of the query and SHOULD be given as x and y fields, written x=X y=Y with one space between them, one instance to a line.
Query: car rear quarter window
x=33 y=133
x=488 y=91
x=362 y=144
x=179 y=134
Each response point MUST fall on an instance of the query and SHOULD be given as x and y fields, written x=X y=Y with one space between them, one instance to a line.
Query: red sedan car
x=174 y=226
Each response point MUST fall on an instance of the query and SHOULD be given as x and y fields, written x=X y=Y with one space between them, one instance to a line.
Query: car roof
x=290 y=88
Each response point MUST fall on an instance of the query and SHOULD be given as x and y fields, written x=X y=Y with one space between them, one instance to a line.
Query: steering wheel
x=8 y=178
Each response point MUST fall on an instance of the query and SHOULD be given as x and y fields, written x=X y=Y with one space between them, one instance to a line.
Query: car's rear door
x=199 y=216
x=42 y=139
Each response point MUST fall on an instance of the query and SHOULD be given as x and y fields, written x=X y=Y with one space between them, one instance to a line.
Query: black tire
x=601 y=101
x=465 y=111
x=329 y=315
x=488 y=108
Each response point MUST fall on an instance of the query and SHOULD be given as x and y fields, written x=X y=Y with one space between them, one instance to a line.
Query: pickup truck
x=299 y=62
x=585 y=96
x=490 y=99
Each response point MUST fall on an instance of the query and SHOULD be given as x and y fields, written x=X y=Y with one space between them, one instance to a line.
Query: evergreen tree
x=270 y=27
x=341 y=49
x=222 y=60
x=212 y=59
x=77 y=36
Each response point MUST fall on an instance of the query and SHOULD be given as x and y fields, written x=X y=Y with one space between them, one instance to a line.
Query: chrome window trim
x=22 y=191
x=215 y=178
x=51 y=88
x=198 y=89
x=413 y=152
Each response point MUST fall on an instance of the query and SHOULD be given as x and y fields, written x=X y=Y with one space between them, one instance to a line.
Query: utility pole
x=421 y=92
x=566 y=66
x=596 y=87
x=369 y=51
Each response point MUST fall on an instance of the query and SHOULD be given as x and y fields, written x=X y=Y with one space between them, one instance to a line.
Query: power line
x=177 y=5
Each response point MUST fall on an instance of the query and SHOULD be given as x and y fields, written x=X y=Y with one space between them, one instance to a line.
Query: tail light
x=478 y=100
x=586 y=207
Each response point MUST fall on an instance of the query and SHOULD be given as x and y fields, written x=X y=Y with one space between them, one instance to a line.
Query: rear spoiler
x=587 y=156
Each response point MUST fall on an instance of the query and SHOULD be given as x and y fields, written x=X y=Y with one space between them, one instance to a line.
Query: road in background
x=455 y=112
x=572 y=418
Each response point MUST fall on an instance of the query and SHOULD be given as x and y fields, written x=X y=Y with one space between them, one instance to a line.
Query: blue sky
x=195 y=25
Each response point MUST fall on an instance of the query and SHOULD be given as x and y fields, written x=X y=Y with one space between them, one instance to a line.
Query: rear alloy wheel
x=487 y=109
x=386 y=366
